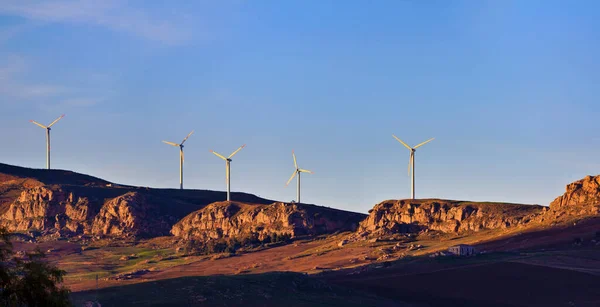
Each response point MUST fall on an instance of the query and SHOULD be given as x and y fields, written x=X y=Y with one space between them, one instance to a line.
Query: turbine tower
x=48 y=137
x=181 y=157
x=297 y=172
x=228 y=168
x=411 y=162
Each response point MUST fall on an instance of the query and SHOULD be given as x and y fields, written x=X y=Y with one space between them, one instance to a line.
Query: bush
x=29 y=280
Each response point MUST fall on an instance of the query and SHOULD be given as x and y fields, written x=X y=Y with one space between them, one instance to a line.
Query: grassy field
x=111 y=261
x=270 y=289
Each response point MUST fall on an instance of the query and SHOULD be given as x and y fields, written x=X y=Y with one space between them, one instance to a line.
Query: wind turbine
x=48 y=137
x=297 y=172
x=228 y=168
x=181 y=157
x=411 y=162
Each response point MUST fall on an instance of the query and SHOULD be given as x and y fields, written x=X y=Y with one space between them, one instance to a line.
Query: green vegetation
x=108 y=261
x=231 y=245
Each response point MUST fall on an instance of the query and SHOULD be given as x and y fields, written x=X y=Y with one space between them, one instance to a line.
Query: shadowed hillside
x=272 y=289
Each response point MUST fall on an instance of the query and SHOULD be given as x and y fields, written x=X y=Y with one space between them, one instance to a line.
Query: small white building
x=462 y=250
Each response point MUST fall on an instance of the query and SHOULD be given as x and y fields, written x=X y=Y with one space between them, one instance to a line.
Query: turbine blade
x=33 y=121
x=56 y=120
x=431 y=139
x=182 y=155
x=233 y=153
x=305 y=171
x=218 y=155
x=170 y=143
x=399 y=140
x=293 y=175
x=295 y=163
x=187 y=137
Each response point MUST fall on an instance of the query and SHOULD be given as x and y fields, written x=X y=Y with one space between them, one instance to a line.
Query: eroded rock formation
x=237 y=220
x=581 y=198
x=406 y=216
x=43 y=208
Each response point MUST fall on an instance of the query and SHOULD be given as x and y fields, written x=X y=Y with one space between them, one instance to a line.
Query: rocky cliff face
x=64 y=203
x=42 y=208
x=129 y=214
x=46 y=208
x=581 y=198
x=238 y=220
x=407 y=216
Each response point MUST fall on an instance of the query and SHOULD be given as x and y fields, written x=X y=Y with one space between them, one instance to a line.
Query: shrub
x=29 y=280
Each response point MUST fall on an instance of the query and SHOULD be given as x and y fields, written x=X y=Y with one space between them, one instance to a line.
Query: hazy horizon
x=507 y=89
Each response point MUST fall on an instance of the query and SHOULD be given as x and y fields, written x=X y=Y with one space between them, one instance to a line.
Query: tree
x=29 y=280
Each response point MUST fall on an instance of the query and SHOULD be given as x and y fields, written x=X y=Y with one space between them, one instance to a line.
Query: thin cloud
x=15 y=86
x=114 y=15
x=12 y=86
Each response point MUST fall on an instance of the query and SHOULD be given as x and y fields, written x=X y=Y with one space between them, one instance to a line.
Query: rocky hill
x=64 y=203
x=59 y=203
x=408 y=216
x=581 y=199
x=238 y=220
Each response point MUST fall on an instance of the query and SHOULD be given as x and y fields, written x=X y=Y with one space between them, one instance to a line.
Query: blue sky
x=509 y=89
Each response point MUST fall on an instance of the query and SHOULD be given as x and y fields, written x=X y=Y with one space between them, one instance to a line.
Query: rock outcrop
x=44 y=208
x=129 y=214
x=584 y=193
x=581 y=198
x=41 y=208
x=63 y=203
x=238 y=220
x=409 y=216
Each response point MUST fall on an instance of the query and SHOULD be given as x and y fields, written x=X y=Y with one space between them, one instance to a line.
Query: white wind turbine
x=181 y=157
x=48 y=137
x=411 y=162
x=228 y=168
x=297 y=172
